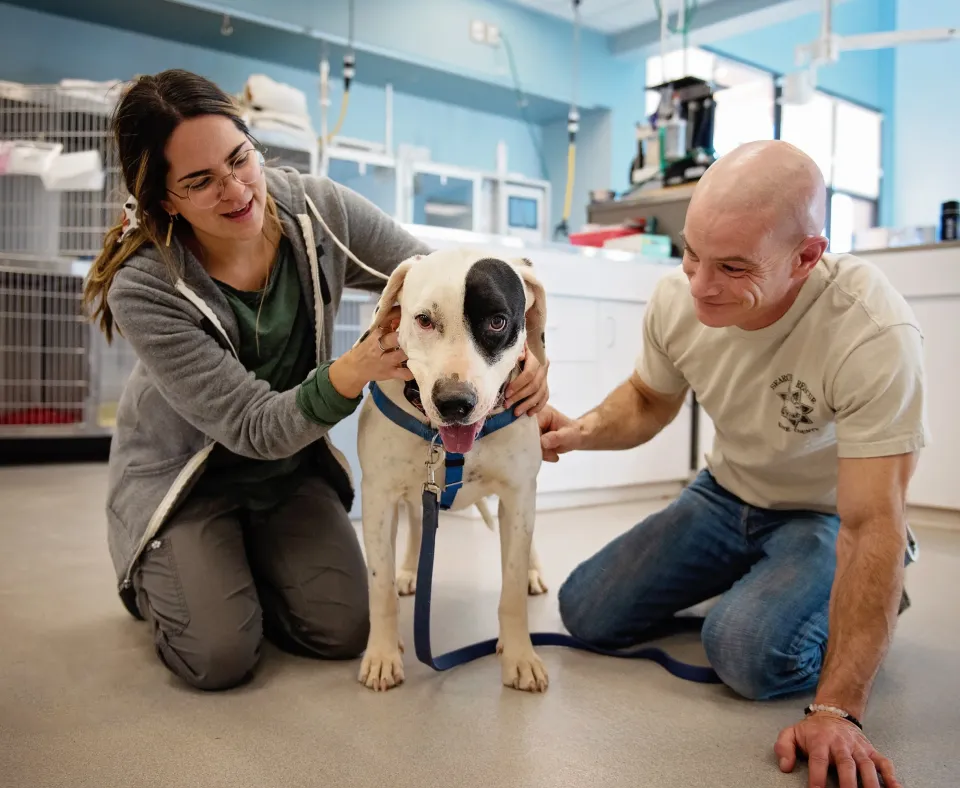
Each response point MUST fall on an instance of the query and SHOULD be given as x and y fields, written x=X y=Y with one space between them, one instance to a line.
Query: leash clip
x=434 y=459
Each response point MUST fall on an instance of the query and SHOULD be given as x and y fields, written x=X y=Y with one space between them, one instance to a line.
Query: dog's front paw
x=406 y=582
x=381 y=668
x=535 y=582
x=522 y=669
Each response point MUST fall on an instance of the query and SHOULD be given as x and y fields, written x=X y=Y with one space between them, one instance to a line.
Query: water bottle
x=949 y=218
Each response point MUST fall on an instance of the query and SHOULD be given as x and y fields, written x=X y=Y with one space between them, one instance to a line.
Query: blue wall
x=436 y=32
x=454 y=134
x=927 y=118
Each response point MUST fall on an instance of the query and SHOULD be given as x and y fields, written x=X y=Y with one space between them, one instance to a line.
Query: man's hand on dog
x=830 y=740
x=377 y=357
x=529 y=388
x=558 y=433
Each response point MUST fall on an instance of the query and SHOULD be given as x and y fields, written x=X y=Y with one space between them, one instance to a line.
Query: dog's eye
x=497 y=323
x=424 y=321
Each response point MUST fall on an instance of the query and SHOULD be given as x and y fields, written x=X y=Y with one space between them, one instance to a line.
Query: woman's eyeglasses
x=207 y=191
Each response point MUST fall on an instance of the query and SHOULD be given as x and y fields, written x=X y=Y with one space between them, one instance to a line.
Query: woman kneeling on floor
x=227 y=503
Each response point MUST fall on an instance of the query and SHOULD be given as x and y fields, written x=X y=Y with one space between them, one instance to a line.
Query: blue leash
x=435 y=499
x=421 y=621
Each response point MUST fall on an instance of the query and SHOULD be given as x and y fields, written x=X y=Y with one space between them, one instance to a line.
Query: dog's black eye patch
x=493 y=306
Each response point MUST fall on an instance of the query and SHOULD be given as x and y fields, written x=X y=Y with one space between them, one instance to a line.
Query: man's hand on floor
x=826 y=740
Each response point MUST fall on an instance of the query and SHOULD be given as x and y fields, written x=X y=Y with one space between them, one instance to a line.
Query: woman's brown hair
x=147 y=114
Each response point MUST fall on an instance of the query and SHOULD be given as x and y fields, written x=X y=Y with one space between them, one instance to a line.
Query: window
x=856 y=163
x=849 y=215
x=810 y=127
x=844 y=139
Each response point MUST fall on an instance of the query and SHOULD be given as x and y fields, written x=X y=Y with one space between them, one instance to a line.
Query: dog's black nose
x=454 y=400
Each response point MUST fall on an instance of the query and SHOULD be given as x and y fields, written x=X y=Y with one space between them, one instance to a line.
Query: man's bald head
x=752 y=234
x=772 y=182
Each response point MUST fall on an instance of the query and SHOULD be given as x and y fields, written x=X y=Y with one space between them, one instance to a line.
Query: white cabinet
x=592 y=347
x=936 y=481
x=929 y=278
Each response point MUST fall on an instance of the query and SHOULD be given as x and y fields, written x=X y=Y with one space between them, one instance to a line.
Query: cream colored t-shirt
x=840 y=375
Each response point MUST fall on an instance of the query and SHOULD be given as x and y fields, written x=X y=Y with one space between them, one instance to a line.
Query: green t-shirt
x=277 y=344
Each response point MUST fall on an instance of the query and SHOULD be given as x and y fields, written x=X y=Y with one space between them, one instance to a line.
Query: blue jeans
x=767 y=635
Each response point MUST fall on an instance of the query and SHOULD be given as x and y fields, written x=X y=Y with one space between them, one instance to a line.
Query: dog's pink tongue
x=459 y=439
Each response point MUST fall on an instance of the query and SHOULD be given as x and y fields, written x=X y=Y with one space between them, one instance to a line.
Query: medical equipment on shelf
x=799 y=86
x=675 y=144
x=684 y=121
x=520 y=208
x=512 y=205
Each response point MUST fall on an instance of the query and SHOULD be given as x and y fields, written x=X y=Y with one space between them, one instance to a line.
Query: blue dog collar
x=453 y=463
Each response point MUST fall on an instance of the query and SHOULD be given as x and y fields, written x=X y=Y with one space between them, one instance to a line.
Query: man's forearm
x=863 y=611
x=626 y=418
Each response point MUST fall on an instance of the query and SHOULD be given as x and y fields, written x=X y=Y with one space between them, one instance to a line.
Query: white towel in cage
x=263 y=93
x=71 y=172
x=28 y=157
x=106 y=93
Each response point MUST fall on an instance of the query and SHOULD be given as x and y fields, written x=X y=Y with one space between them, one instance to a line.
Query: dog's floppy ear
x=389 y=296
x=536 y=309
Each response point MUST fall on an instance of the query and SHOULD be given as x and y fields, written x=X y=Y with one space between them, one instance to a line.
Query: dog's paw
x=381 y=668
x=535 y=582
x=522 y=669
x=406 y=582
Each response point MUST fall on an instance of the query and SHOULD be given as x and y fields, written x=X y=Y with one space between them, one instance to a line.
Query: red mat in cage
x=40 y=416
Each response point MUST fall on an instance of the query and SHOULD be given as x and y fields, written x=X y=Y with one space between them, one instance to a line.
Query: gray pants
x=218 y=578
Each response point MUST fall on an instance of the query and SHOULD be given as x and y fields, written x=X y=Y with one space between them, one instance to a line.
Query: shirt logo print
x=796 y=404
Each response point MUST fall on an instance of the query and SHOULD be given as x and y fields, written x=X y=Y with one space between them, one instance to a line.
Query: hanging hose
x=349 y=71
x=348 y=74
x=573 y=126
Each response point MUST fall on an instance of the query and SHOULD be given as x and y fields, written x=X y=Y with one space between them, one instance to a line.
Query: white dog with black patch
x=466 y=322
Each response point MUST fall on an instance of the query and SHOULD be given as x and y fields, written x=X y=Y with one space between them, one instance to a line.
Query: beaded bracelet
x=833 y=710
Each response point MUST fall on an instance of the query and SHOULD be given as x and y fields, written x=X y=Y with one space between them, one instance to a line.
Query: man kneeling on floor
x=810 y=366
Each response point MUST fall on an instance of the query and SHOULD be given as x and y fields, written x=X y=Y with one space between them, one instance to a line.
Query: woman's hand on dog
x=529 y=388
x=376 y=357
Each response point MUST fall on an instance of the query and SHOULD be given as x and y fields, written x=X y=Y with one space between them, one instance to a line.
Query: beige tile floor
x=84 y=702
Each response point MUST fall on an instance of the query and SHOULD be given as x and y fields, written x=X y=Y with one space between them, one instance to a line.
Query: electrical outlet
x=493 y=35
x=478 y=31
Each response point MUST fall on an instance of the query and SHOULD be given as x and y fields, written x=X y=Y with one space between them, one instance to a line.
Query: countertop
x=913 y=248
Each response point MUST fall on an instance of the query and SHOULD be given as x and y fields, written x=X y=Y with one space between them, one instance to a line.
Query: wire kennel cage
x=61 y=189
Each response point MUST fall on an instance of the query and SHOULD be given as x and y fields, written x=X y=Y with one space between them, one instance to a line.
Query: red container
x=597 y=237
